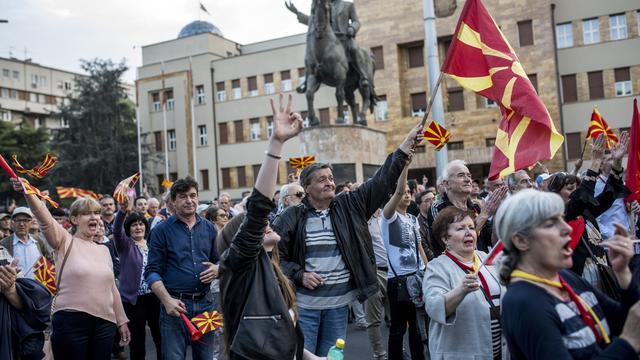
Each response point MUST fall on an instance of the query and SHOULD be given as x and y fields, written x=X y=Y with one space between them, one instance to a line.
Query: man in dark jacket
x=326 y=248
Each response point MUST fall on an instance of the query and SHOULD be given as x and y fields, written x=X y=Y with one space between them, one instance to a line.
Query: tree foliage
x=99 y=148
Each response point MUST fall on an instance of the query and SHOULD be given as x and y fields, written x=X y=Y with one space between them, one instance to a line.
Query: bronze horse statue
x=327 y=62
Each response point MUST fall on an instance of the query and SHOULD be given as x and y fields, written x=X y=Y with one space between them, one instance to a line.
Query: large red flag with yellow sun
x=481 y=60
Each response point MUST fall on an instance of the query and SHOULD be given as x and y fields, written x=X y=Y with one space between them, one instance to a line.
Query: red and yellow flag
x=481 y=60
x=599 y=126
x=45 y=273
x=72 y=192
x=121 y=191
x=166 y=183
x=301 y=162
x=208 y=321
x=40 y=170
x=437 y=135
x=632 y=180
x=32 y=190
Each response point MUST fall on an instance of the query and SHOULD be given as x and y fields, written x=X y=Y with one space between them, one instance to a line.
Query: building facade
x=221 y=137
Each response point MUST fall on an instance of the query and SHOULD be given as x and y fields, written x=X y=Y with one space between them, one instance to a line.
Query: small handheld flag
x=166 y=183
x=45 y=273
x=300 y=163
x=40 y=170
x=436 y=135
x=208 y=321
x=122 y=190
x=599 y=126
x=32 y=190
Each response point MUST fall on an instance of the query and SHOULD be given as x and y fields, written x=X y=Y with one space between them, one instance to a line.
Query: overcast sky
x=58 y=33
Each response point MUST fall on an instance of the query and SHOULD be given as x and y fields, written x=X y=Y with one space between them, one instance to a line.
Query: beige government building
x=212 y=93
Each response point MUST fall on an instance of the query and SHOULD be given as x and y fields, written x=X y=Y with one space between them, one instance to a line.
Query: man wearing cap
x=21 y=245
x=543 y=181
x=5 y=225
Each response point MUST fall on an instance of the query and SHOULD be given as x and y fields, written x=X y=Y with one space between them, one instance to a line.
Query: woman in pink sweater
x=87 y=308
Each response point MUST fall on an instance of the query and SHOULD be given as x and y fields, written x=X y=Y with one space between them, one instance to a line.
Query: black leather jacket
x=256 y=318
x=349 y=213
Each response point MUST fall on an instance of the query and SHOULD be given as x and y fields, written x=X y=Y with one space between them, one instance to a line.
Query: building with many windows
x=578 y=54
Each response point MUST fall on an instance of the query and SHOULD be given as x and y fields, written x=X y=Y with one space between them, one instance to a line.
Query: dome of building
x=199 y=27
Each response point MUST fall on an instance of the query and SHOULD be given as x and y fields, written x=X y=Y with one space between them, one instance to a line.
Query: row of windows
x=172 y=140
x=36 y=79
x=6 y=93
x=157 y=97
x=269 y=87
x=591 y=30
x=622 y=86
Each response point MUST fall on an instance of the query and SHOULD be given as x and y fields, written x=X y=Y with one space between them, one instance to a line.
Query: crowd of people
x=286 y=267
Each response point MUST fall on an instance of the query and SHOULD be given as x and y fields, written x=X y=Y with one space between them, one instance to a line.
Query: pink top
x=87 y=283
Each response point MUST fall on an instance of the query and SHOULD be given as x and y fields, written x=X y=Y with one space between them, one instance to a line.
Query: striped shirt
x=323 y=257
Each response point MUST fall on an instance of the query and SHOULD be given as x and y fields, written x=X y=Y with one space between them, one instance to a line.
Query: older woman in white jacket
x=462 y=301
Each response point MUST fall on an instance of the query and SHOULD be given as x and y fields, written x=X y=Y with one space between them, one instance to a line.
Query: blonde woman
x=87 y=308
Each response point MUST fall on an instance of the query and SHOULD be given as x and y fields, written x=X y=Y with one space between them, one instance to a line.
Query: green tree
x=99 y=148
x=30 y=145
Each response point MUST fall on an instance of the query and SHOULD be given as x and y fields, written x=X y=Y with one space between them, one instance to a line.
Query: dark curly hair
x=446 y=217
x=133 y=218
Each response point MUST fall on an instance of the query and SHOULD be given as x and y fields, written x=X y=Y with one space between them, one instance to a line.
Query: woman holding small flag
x=87 y=309
x=462 y=294
x=549 y=312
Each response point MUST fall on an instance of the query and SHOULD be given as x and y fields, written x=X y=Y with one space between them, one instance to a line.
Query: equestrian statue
x=333 y=58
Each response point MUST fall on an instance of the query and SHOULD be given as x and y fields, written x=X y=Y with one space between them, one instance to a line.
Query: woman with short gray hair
x=549 y=312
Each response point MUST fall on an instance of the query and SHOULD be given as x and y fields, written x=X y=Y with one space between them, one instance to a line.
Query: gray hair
x=447 y=171
x=519 y=214
x=511 y=178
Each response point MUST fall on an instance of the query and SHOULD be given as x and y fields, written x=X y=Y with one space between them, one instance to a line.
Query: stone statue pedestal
x=354 y=151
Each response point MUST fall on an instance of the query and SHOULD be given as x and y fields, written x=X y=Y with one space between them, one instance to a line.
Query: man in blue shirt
x=182 y=264
x=22 y=246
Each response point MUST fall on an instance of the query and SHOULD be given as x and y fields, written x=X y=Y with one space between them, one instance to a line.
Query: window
x=6 y=73
x=255 y=129
x=488 y=103
x=301 y=75
x=242 y=176
x=623 y=82
x=456 y=99
x=596 y=87
x=33 y=97
x=171 y=134
x=200 y=95
x=157 y=135
x=60 y=84
x=416 y=56
x=269 y=126
x=256 y=169
x=591 y=31
x=618 y=26
x=564 y=35
x=15 y=94
x=37 y=123
x=489 y=142
x=5 y=115
x=344 y=172
x=525 y=32
x=574 y=145
x=378 y=57
x=202 y=135
x=42 y=99
x=253 y=85
x=168 y=97
x=285 y=77
x=64 y=123
x=173 y=176
x=204 y=179
x=223 y=129
x=455 y=145
x=16 y=75
x=325 y=118
x=533 y=78
x=4 y=93
x=155 y=100
x=382 y=108
x=418 y=104
x=67 y=85
x=34 y=81
x=269 y=86
x=569 y=88
x=221 y=94
x=226 y=178
x=238 y=129
x=236 y=91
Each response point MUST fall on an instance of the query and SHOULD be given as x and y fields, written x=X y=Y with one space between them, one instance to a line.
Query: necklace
x=586 y=313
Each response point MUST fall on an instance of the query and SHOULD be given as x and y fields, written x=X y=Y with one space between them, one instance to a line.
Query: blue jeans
x=321 y=328
x=176 y=338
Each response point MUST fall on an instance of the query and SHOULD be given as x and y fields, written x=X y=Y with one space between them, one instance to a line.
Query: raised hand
x=286 y=124
x=413 y=139
x=597 y=148
x=620 y=149
x=291 y=7
x=495 y=199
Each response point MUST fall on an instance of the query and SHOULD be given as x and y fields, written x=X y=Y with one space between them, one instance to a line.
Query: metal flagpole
x=435 y=78
x=193 y=121
x=139 y=128
x=164 y=126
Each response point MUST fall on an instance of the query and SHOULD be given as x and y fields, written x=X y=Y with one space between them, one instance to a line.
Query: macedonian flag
x=436 y=135
x=599 y=127
x=301 y=162
x=40 y=170
x=208 y=321
x=32 y=190
x=122 y=190
x=72 y=192
x=481 y=60
x=45 y=273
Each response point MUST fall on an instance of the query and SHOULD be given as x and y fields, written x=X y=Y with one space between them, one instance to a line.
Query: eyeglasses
x=22 y=221
x=299 y=194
